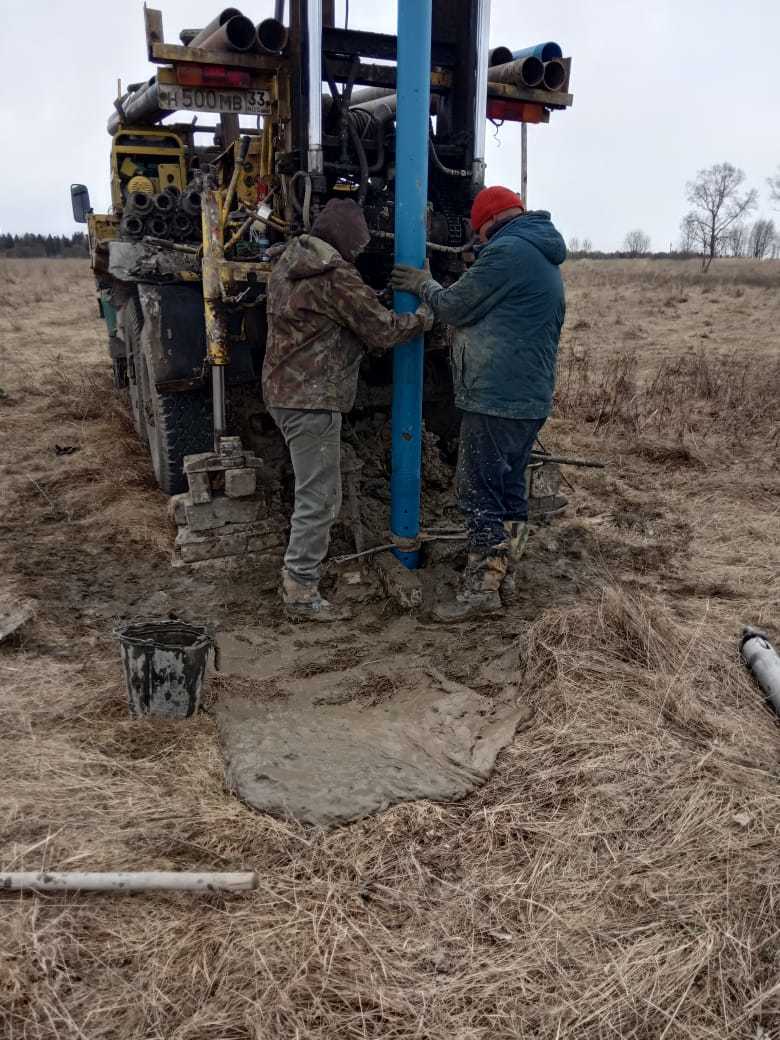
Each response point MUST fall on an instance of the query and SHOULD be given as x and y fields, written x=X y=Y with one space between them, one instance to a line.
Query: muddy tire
x=176 y=425
x=133 y=323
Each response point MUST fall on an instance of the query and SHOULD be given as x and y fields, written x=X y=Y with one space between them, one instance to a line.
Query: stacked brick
x=226 y=514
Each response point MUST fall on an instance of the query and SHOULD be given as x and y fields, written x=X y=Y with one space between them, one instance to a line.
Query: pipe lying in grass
x=128 y=881
x=566 y=461
x=764 y=662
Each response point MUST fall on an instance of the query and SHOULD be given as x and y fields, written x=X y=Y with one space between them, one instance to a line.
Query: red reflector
x=211 y=76
x=514 y=111
x=189 y=75
x=238 y=78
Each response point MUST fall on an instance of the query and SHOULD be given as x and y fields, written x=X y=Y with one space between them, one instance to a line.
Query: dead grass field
x=619 y=875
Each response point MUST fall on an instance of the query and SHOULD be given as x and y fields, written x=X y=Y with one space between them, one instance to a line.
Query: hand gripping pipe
x=411 y=198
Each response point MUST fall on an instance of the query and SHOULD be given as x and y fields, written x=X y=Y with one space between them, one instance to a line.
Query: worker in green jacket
x=507 y=312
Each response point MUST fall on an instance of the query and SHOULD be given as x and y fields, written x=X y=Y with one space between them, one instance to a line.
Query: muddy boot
x=517 y=539
x=303 y=602
x=479 y=591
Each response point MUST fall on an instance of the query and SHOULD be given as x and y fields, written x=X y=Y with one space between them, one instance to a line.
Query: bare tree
x=762 y=235
x=774 y=187
x=636 y=243
x=574 y=244
x=717 y=204
x=736 y=240
x=587 y=245
x=688 y=243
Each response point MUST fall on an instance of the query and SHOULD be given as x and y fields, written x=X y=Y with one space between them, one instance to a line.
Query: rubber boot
x=303 y=602
x=517 y=539
x=479 y=591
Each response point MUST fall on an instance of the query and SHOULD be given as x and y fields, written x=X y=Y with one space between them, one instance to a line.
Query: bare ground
x=618 y=875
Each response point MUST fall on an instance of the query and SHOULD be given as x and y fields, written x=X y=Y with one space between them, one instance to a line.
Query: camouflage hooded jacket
x=321 y=317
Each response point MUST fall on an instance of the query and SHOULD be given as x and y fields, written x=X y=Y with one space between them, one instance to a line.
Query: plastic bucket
x=164 y=663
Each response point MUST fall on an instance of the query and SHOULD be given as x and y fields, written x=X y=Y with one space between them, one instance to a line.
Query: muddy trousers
x=314 y=441
x=492 y=456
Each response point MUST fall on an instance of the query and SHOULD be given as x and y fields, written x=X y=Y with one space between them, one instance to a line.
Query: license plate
x=214 y=99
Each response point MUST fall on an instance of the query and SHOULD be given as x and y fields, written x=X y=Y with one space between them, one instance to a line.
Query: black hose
x=361 y=154
x=379 y=162
x=448 y=171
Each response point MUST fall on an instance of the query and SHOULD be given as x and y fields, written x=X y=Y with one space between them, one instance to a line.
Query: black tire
x=133 y=323
x=176 y=425
x=119 y=369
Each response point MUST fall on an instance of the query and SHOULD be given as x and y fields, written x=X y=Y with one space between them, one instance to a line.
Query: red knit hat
x=492 y=201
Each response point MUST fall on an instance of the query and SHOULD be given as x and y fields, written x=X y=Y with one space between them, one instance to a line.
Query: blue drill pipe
x=542 y=51
x=411 y=200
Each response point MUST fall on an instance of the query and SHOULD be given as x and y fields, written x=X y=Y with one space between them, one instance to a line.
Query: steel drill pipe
x=499 y=56
x=190 y=203
x=385 y=107
x=139 y=203
x=131 y=226
x=314 y=157
x=165 y=203
x=156 y=225
x=554 y=75
x=479 y=101
x=237 y=34
x=272 y=36
x=543 y=51
x=525 y=72
x=182 y=227
x=411 y=201
x=214 y=24
x=140 y=106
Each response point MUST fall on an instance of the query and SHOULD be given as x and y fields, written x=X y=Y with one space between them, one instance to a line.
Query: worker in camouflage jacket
x=321 y=319
x=507 y=311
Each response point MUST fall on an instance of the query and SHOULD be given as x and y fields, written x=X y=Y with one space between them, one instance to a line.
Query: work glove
x=425 y=312
x=409 y=279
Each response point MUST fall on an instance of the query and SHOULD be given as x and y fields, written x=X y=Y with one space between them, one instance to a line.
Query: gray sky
x=662 y=88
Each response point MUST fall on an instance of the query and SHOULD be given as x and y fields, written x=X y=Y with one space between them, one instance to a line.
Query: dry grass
x=618 y=876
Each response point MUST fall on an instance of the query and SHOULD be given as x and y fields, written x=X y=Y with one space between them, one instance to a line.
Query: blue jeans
x=492 y=457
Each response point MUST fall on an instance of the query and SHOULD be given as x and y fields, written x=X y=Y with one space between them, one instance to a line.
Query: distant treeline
x=622 y=254
x=28 y=246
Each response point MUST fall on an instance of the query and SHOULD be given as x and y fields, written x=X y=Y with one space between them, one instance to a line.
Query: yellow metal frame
x=173 y=154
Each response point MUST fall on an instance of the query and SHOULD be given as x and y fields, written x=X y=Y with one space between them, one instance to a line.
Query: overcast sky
x=662 y=88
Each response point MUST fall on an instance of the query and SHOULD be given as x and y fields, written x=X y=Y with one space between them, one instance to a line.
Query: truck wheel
x=133 y=323
x=176 y=425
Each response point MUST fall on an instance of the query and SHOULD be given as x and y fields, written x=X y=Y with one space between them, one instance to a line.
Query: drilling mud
x=327 y=748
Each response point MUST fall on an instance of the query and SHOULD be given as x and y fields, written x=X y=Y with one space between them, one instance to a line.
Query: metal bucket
x=164 y=663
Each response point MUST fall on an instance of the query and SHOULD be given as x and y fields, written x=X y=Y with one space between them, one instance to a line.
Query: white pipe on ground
x=128 y=881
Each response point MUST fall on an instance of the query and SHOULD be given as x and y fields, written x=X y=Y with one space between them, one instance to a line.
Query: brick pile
x=226 y=515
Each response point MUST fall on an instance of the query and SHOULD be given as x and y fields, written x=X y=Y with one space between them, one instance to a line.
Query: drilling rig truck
x=232 y=146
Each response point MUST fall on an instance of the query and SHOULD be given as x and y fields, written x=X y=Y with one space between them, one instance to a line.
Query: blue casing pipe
x=411 y=200
x=542 y=51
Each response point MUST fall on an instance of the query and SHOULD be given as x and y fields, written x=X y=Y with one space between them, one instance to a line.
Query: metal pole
x=314 y=32
x=411 y=199
x=524 y=163
x=480 y=93
x=216 y=326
